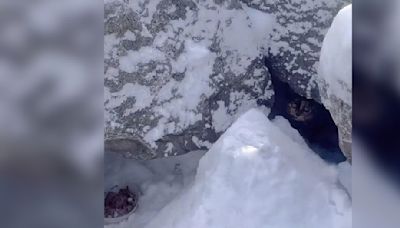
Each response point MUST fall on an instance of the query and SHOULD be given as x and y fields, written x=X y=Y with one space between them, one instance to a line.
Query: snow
x=220 y=122
x=133 y=59
x=140 y=93
x=336 y=56
x=345 y=176
x=159 y=181
x=255 y=24
x=258 y=174
x=197 y=61
x=176 y=104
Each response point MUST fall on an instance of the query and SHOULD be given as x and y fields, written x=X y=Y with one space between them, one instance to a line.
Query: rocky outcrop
x=178 y=73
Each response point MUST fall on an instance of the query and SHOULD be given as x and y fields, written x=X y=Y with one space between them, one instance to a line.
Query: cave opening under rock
x=310 y=118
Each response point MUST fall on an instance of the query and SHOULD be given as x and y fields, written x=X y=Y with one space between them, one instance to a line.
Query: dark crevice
x=309 y=117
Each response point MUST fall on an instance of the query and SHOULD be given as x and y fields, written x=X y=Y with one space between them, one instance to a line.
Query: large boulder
x=335 y=78
x=178 y=73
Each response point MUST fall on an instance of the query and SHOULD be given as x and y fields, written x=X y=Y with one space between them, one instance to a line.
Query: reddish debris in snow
x=117 y=204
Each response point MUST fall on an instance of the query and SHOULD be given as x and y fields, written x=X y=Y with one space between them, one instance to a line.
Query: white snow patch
x=197 y=62
x=130 y=35
x=345 y=175
x=258 y=176
x=130 y=62
x=141 y=94
x=199 y=143
x=220 y=122
x=110 y=42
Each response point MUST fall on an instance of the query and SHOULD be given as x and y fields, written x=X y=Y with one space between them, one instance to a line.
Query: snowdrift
x=260 y=174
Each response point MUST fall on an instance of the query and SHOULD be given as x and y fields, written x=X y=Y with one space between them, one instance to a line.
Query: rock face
x=297 y=37
x=336 y=76
x=178 y=73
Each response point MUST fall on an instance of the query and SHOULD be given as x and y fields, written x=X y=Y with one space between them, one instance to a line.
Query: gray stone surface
x=341 y=113
x=178 y=73
x=335 y=76
x=296 y=42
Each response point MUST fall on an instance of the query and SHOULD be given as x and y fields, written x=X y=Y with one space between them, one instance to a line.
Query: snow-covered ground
x=258 y=174
x=159 y=181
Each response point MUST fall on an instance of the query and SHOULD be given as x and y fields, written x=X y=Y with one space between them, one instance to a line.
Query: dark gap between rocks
x=309 y=117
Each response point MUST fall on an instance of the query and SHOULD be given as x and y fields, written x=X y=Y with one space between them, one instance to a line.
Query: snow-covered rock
x=260 y=174
x=335 y=76
x=296 y=40
x=178 y=73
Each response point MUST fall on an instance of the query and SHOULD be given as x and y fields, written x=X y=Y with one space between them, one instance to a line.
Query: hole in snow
x=309 y=117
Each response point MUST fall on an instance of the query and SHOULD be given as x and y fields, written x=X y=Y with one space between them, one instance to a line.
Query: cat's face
x=300 y=110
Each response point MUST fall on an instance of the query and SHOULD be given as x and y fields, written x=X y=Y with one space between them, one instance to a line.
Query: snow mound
x=259 y=174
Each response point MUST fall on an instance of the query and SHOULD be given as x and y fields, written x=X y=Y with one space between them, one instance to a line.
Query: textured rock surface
x=335 y=78
x=297 y=38
x=178 y=73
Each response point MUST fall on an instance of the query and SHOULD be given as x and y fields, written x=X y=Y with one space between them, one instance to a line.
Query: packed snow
x=258 y=174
